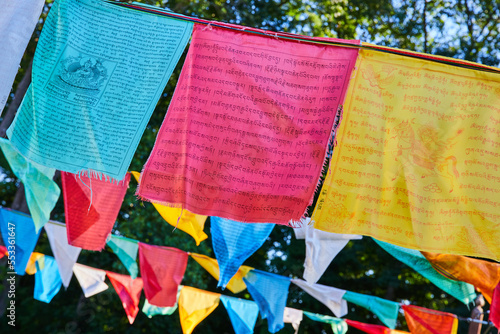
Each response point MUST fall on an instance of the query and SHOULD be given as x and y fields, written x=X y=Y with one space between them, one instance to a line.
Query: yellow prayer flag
x=418 y=157
x=190 y=223
x=236 y=283
x=194 y=306
x=34 y=257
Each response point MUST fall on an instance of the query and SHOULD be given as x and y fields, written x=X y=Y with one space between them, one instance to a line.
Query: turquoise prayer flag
x=386 y=310
x=126 y=249
x=242 y=313
x=20 y=238
x=98 y=72
x=47 y=280
x=41 y=191
x=339 y=326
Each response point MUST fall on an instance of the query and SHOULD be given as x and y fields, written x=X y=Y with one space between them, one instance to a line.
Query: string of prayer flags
x=411 y=155
x=152 y=310
x=188 y=222
x=35 y=258
x=126 y=249
x=270 y=292
x=339 y=326
x=18 y=19
x=194 y=306
x=65 y=254
x=331 y=297
x=91 y=206
x=235 y=284
x=415 y=260
x=482 y=274
x=40 y=189
x=421 y=320
x=233 y=242
x=321 y=248
x=386 y=310
x=47 y=280
x=294 y=317
x=91 y=106
x=242 y=313
x=19 y=236
x=255 y=126
x=129 y=290
x=495 y=307
x=162 y=269
x=91 y=279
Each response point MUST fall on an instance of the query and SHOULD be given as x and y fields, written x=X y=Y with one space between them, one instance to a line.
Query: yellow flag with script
x=194 y=306
x=418 y=157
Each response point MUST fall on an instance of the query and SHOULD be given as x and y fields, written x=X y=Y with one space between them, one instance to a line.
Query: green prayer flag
x=126 y=249
x=385 y=310
x=339 y=326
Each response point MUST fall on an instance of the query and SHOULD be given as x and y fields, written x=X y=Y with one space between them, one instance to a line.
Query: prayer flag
x=162 y=269
x=40 y=189
x=339 y=326
x=242 y=313
x=329 y=296
x=47 y=280
x=151 y=310
x=234 y=242
x=32 y=263
x=421 y=320
x=294 y=317
x=91 y=279
x=126 y=249
x=416 y=160
x=129 y=291
x=368 y=328
x=270 y=292
x=194 y=306
x=95 y=85
x=3 y=251
x=91 y=206
x=495 y=307
x=386 y=310
x=246 y=133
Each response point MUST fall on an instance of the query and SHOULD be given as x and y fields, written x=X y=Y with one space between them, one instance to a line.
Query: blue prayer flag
x=47 y=280
x=243 y=313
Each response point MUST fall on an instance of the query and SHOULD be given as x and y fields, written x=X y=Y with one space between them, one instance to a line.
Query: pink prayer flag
x=162 y=269
x=495 y=307
x=247 y=130
x=368 y=328
x=91 y=206
x=129 y=291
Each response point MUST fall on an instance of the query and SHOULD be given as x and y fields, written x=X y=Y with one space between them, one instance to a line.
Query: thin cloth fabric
x=484 y=275
x=32 y=263
x=129 y=290
x=495 y=307
x=65 y=254
x=188 y=222
x=412 y=166
x=18 y=19
x=242 y=313
x=91 y=207
x=270 y=292
x=151 y=310
x=415 y=260
x=162 y=269
x=421 y=320
x=237 y=158
x=3 y=251
x=329 y=296
x=22 y=239
x=235 y=284
x=41 y=191
x=194 y=306
x=126 y=249
x=234 y=242
x=86 y=108
x=294 y=317
x=368 y=328
x=386 y=310
x=91 y=279
x=321 y=248
x=339 y=326
x=47 y=280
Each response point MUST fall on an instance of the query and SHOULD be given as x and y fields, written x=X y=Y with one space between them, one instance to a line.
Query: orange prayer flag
x=31 y=267
x=421 y=320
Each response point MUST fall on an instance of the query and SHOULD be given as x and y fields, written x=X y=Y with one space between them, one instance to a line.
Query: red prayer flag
x=91 y=206
x=3 y=251
x=129 y=291
x=368 y=328
x=162 y=269
x=495 y=307
x=421 y=320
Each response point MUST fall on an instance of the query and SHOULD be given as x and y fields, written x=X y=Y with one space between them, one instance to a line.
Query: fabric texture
x=47 y=280
x=294 y=317
x=129 y=290
x=368 y=328
x=421 y=320
x=270 y=292
x=339 y=326
x=162 y=269
x=91 y=279
x=65 y=254
x=242 y=313
x=329 y=296
x=237 y=158
x=234 y=242
x=386 y=310
x=415 y=260
x=91 y=207
x=495 y=307
x=40 y=189
x=235 y=284
x=19 y=237
x=32 y=263
x=126 y=249
x=151 y=310
x=194 y=306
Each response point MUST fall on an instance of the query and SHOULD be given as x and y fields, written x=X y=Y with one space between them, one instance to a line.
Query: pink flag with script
x=247 y=130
